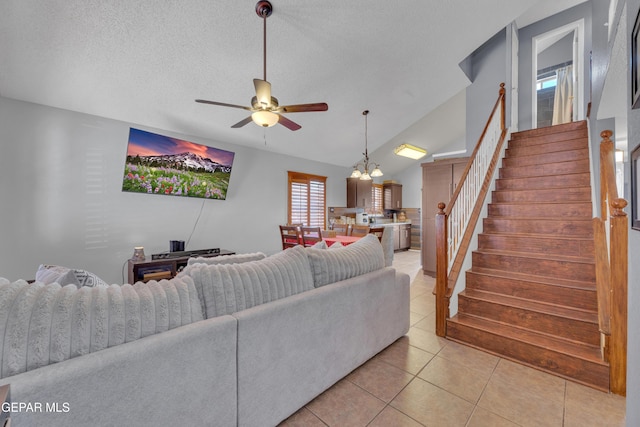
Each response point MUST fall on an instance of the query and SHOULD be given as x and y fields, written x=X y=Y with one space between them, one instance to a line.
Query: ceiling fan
x=265 y=108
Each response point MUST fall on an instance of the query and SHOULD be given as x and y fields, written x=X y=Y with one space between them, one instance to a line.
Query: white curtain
x=563 y=101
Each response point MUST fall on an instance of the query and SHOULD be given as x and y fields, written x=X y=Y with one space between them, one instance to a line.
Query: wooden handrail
x=456 y=222
x=612 y=268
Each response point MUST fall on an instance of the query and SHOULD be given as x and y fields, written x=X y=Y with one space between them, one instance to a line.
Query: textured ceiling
x=146 y=61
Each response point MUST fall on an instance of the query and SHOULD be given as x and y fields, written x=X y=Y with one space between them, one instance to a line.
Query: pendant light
x=365 y=174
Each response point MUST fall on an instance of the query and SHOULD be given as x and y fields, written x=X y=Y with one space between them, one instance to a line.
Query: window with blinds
x=376 y=198
x=307 y=199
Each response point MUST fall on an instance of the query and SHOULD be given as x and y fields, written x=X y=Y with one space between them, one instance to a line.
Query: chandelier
x=364 y=174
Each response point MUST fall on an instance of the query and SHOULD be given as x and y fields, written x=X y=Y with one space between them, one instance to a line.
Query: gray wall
x=526 y=35
x=61 y=198
x=487 y=68
x=558 y=53
x=633 y=351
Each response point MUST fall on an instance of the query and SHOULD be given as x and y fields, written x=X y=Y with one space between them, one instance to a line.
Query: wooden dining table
x=344 y=240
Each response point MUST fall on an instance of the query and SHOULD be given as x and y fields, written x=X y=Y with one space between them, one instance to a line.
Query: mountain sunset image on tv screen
x=158 y=164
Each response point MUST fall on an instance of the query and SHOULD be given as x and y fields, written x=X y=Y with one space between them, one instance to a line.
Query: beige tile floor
x=424 y=380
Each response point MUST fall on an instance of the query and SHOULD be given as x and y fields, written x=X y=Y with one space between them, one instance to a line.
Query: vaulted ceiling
x=146 y=61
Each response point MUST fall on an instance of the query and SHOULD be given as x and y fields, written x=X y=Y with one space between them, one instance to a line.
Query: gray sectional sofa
x=244 y=344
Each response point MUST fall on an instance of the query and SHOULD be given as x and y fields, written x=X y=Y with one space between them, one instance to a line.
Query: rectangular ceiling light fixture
x=410 y=151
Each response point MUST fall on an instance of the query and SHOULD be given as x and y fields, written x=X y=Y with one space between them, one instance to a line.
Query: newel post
x=502 y=93
x=442 y=306
x=619 y=270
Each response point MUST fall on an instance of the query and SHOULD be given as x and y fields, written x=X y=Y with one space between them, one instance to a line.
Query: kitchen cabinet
x=392 y=196
x=359 y=193
x=401 y=237
x=404 y=236
x=439 y=181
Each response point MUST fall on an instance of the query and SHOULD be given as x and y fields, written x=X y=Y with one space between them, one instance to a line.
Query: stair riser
x=550 y=245
x=584 y=299
x=579 y=271
x=516 y=150
x=548 y=182
x=556 y=363
x=567 y=227
x=578 y=166
x=557 y=210
x=563 y=128
x=553 y=195
x=571 y=329
x=543 y=159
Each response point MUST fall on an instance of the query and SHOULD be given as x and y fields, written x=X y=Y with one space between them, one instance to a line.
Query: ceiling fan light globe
x=264 y=118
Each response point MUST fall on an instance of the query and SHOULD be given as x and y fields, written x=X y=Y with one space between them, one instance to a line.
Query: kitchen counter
x=387 y=224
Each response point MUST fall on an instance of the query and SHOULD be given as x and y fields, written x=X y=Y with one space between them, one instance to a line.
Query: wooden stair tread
x=565 y=127
x=537 y=255
x=544 y=218
x=542 y=236
x=531 y=305
x=578 y=350
x=567 y=283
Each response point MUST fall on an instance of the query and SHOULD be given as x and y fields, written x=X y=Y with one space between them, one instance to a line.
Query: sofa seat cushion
x=336 y=264
x=228 y=288
x=43 y=324
x=227 y=259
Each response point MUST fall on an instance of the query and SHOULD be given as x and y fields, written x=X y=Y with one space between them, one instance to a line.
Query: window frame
x=320 y=203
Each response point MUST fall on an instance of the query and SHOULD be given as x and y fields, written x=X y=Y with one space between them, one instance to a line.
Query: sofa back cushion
x=228 y=288
x=341 y=263
x=43 y=324
x=227 y=259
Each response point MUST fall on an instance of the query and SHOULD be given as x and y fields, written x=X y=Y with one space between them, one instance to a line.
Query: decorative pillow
x=42 y=324
x=49 y=274
x=360 y=257
x=227 y=259
x=228 y=288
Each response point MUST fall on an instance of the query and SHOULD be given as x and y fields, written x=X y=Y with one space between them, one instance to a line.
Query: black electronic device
x=180 y=254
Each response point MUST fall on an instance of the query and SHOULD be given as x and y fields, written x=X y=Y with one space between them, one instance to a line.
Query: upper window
x=307 y=199
x=546 y=82
x=376 y=199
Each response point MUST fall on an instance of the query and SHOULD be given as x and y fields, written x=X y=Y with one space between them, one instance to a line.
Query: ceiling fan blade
x=222 y=104
x=302 y=108
x=288 y=123
x=263 y=92
x=242 y=122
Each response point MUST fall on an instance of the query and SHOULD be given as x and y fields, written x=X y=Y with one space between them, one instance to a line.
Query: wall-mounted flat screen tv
x=158 y=164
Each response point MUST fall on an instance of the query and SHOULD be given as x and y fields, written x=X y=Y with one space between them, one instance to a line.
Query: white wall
x=61 y=199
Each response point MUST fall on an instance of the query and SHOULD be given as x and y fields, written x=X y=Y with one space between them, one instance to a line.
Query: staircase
x=531 y=294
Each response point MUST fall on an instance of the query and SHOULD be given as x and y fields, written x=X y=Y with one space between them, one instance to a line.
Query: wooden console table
x=165 y=268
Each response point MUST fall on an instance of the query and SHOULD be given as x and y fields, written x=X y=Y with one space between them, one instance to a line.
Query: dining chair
x=359 y=230
x=377 y=231
x=290 y=235
x=341 y=229
x=311 y=235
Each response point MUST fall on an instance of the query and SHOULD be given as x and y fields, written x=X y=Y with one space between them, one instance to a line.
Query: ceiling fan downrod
x=264 y=9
